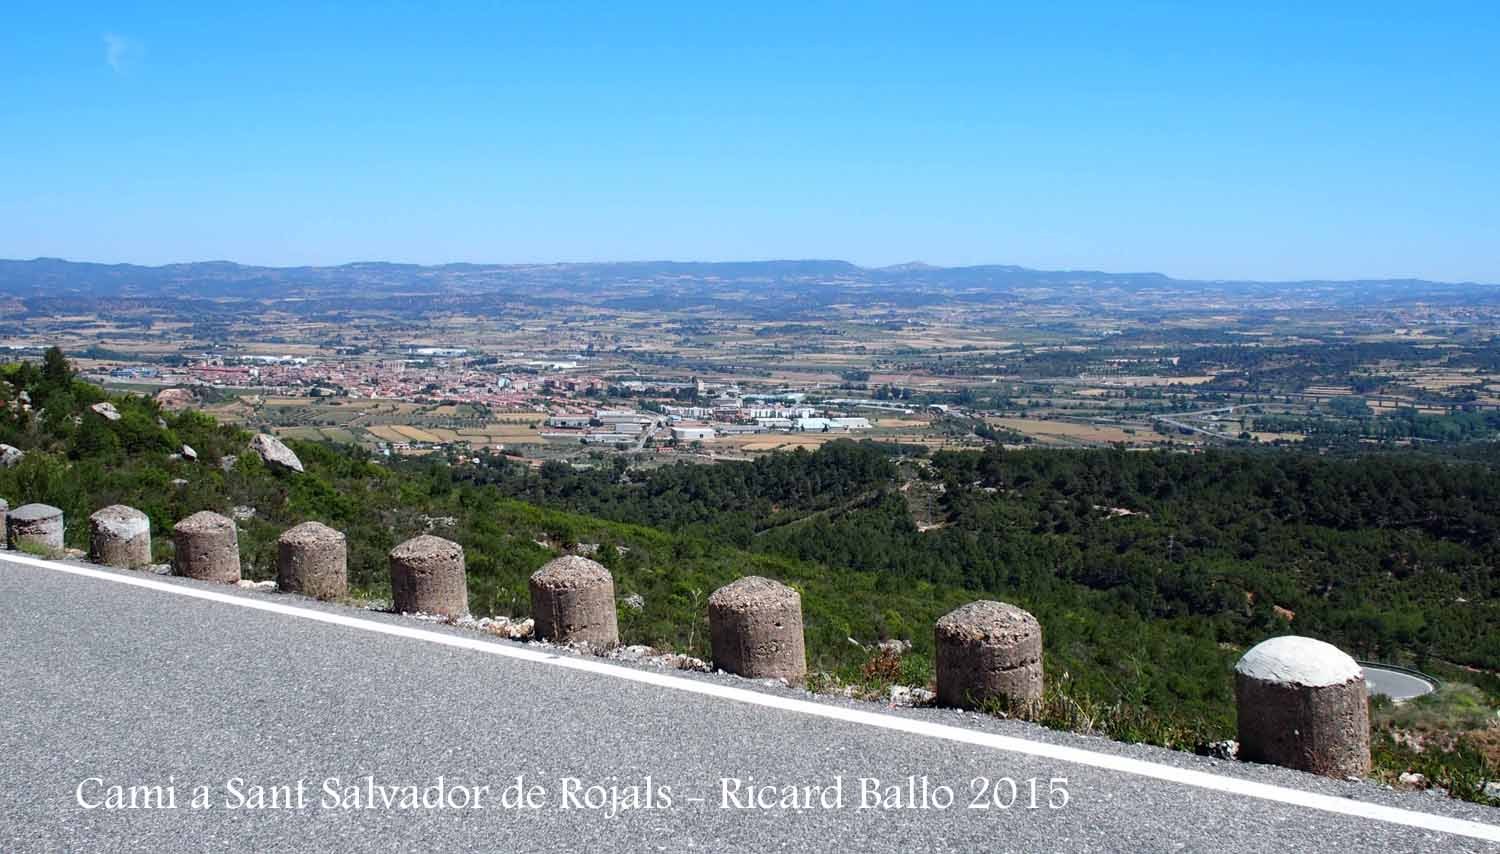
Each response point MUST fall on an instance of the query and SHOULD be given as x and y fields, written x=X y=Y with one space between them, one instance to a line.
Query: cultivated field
x=1069 y=433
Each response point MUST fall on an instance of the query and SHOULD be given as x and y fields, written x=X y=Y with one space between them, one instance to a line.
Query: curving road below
x=1396 y=684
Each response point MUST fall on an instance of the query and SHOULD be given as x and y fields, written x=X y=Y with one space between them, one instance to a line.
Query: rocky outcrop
x=174 y=398
x=10 y=455
x=270 y=449
x=106 y=410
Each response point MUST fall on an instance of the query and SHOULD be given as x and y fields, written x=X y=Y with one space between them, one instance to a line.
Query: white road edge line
x=1075 y=755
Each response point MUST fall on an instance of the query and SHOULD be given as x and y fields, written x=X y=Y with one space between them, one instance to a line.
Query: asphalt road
x=1395 y=684
x=103 y=683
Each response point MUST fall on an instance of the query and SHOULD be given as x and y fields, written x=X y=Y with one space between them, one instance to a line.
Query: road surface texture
x=116 y=678
x=1395 y=684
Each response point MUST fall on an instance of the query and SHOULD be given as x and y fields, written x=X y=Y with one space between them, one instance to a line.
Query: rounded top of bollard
x=987 y=620
x=427 y=547
x=204 y=522
x=1294 y=660
x=569 y=572
x=120 y=520
x=750 y=592
x=34 y=512
x=310 y=534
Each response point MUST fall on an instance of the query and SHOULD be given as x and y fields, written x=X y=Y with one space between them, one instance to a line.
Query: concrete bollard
x=37 y=525
x=206 y=546
x=313 y=559
x=1303 y=704
x=988 y=651
x=573 y=601
x=120 y=536
x=4 y=509
x=427 y=576
x=755 y=629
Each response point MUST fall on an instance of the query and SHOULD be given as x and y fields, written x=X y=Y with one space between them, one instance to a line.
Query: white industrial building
x=623 y=420
x=758 y=412
x=693 y=433
x=831 y=425
x=688 y=411
x=611 y=438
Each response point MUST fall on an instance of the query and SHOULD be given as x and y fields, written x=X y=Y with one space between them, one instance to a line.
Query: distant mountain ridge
x=816 y=278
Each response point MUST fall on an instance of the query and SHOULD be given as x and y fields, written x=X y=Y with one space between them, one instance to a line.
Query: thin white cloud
x=121 y=51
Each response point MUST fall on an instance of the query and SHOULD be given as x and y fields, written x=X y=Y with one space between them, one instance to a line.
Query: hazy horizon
x=560 y=262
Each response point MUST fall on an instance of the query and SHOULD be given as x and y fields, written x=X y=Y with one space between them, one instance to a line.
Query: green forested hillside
x=1392 y=557
x=1149 y=572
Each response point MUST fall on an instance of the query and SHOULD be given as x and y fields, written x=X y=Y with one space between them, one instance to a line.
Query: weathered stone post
x=4 y=509
x=988 y=651
x=313 y=559
x=1303 y=704
x=206 y=546
x=120 y=536
x=37 y=525
x=427 y=576
x=573 y=601
x=755 y=629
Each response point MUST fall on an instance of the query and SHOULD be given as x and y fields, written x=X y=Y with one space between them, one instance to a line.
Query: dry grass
x=386 y=433
x=489 y=434
x=1150 y=381
x=782 y=441
x=1069 y=433
x=416 y=434
x=1272 y=437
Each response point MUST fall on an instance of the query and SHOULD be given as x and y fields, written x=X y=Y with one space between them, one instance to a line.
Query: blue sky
x=1221 y=140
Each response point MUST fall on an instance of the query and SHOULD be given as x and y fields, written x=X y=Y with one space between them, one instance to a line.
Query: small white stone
x=633 y=653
